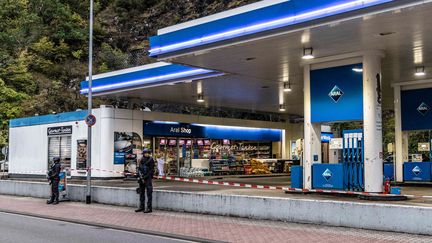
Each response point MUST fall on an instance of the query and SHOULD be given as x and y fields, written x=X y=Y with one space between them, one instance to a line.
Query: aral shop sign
x=173 y=130
x=182 y=130
x=235 y=147
x=63 y=130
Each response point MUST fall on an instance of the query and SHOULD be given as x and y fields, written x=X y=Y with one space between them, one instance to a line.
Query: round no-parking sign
x=90 y=120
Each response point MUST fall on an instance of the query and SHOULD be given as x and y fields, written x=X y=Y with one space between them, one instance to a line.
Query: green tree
x=10 y=107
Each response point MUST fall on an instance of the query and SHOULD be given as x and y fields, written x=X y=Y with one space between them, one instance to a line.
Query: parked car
x=4 y=165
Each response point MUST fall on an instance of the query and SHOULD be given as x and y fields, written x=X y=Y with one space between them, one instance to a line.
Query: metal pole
x=90 y=105
x=178 y=157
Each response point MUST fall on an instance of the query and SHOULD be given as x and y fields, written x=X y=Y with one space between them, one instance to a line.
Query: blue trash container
x=297 y=176
x=389 y=171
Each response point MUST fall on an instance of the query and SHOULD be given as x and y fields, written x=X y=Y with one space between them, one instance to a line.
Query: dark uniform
x=145 y=180
x=54 y=178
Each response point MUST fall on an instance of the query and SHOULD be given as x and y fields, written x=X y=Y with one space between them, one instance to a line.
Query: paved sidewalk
x=211 y=227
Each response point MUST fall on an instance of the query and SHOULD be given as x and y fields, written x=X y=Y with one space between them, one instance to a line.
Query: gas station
x=327 y=62
x=316 y=112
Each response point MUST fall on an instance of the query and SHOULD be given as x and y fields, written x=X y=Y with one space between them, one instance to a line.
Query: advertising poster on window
x=62 y=183
x=127 y=150
x=81 y=160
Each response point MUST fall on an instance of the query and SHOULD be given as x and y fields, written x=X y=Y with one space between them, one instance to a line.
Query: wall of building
x=28 y=147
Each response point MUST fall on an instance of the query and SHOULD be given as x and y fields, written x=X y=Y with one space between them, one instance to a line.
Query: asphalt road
x=24 y=229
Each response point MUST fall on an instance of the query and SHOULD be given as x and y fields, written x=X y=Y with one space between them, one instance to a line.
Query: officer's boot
x=140 y=209
x=56 y=201
x=148 y=210
x=51 y=200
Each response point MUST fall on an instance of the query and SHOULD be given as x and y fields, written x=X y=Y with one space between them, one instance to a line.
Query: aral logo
x=423 y=109
x=417 y=171
x=336 y=93
x=327 y=174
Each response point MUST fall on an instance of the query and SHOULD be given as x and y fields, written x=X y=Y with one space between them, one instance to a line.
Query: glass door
x=60 y=146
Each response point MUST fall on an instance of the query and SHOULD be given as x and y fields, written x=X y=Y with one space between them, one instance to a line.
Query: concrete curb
x=115 y=227
x=377 y=216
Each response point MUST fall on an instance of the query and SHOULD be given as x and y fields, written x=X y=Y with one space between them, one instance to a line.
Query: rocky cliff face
x=128 y=27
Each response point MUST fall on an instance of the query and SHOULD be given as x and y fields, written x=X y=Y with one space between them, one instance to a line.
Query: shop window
x=60 y=146
x=81 y=158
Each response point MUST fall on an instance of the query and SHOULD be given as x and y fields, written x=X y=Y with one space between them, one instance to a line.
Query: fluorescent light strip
x=130 y=70
x=158 y=84
x=166 y=122
x=221 y=126
x=237 y=128
x=148 y=80
x=265 y=26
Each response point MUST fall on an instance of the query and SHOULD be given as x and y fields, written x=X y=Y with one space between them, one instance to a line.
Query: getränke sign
x=235 y=147
x=63 y=130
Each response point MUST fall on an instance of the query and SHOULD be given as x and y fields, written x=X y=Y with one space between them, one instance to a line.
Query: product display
x=194 y=172
x=223 y=156
x=259 y=167
x=220 y=167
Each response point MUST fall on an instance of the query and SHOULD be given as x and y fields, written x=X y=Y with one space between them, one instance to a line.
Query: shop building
x=224 y=146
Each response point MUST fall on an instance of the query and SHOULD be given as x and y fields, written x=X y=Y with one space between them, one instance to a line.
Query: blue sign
x=173 y=129
x=337 y=94
x=417 y=171
x=119 y=158
x=327 y=176
x=416 y=109
x=297 y=176
x=326 y=137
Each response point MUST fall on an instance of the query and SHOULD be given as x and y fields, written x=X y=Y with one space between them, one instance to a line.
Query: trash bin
x=296 y=176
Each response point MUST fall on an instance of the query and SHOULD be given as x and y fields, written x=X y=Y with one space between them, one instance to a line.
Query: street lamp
x=90 y=106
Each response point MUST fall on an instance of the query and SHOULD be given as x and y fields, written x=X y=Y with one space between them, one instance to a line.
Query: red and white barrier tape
x=221 y=183
x=38 y=172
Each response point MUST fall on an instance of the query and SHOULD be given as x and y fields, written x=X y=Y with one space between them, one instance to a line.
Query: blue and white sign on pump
x=327 y=174
x=417 y=171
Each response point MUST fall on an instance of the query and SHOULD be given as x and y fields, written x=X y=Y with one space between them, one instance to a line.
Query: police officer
x=145 y=173
x=54 y=178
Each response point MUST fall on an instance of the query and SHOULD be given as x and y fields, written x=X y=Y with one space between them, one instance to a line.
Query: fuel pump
x=353 y=163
